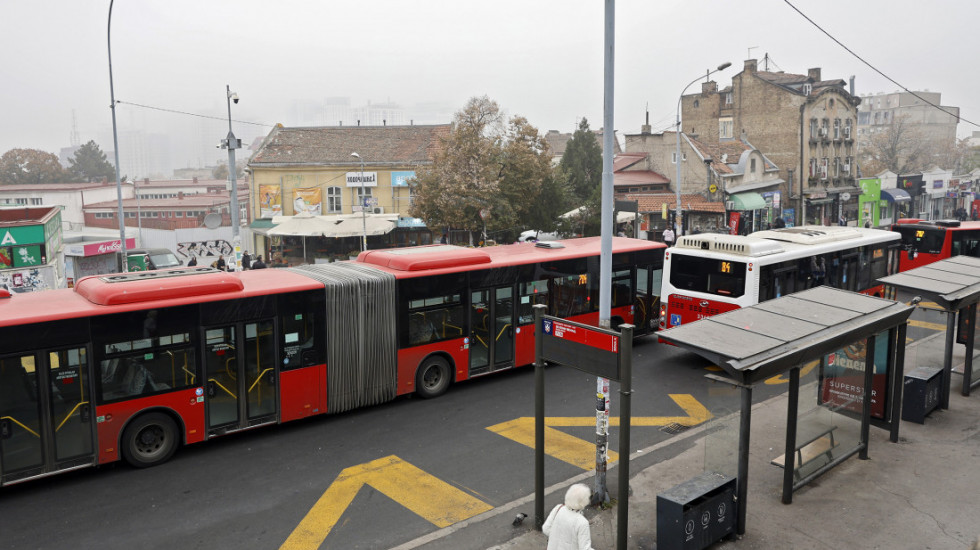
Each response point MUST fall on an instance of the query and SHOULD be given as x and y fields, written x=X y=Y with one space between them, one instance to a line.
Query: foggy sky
x=539 y=59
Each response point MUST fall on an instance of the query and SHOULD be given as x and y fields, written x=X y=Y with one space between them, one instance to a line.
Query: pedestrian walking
x=566 y=527
x=669 y=236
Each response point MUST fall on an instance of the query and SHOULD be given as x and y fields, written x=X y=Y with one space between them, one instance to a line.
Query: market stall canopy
x=748 y=201
x=307 y=225
x=621 y=217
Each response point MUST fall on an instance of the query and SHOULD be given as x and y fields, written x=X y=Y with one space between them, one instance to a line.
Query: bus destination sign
x=583 y=347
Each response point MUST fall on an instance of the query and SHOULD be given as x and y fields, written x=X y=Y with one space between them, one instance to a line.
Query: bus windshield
x=926 y=240
x=711 y=276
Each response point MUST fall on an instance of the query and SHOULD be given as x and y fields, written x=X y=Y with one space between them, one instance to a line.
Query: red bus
x=130 y=366
x=930 y=241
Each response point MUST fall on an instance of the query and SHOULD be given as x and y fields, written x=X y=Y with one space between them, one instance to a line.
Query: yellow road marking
x=779 y=379
x=426 y=495
x=928 y=325
x=581 y=453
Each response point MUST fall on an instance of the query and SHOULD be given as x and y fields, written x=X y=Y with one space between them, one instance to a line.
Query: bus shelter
x=780 y=336
x=953 y=284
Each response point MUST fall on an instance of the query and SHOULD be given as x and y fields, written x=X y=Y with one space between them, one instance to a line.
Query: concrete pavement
x=920 y=493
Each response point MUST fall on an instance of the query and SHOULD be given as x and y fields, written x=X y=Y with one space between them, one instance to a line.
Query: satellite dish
x=212 y=220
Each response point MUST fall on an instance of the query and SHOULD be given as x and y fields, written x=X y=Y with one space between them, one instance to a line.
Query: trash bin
x=696 y=513
x=921 y=396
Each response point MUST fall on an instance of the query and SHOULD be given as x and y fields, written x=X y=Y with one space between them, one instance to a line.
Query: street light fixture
x=363 y=203
x=677 y=186
x=115 y=149
x=231 y=143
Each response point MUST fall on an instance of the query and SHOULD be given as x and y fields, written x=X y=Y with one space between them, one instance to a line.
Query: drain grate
x=674 y=428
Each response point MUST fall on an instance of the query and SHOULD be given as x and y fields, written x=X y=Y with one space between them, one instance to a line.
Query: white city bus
x=708 y=274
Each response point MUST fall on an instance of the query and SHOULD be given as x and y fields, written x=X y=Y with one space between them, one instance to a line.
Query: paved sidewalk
x=920 y=493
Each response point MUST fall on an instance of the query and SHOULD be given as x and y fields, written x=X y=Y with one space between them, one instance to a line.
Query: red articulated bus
x=930 y=241
x=131 y=366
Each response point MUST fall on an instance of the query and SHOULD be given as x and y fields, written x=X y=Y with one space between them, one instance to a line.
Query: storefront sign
x=362 y=179
x=400 y=179
x=97 y=249
x=26 y=234
x=937 y=184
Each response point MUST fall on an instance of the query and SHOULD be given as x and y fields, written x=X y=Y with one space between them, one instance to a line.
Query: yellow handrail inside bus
x=257 y=380
x=222 y=387
x=15 y=421
x=501 y=333
x=70 y=413
x=232 y=375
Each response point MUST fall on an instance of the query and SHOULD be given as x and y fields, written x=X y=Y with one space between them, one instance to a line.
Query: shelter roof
x=754 y=343
x=952 y=283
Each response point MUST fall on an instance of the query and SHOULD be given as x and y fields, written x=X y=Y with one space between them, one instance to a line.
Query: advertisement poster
x=307 y=201
x=401 y=179
x=27 y=256
x=270 y=200
x=842 y=381
x=733 y=218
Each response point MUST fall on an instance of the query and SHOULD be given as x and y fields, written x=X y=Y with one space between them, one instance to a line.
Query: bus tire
x=149 y=440
x=432 y=378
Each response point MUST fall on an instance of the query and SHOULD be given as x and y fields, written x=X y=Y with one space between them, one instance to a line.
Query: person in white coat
x=566 y=527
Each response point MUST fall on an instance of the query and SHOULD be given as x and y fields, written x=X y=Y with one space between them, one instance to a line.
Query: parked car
x=148 y=259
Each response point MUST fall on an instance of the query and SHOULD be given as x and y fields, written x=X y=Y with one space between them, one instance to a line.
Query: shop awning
x=261 y=226
x=896 y=195
x=748 y=201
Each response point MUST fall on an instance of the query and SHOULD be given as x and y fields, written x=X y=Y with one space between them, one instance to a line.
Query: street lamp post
x=363 y=205
x=677 y=185
x=115 y=150
x=231 y=143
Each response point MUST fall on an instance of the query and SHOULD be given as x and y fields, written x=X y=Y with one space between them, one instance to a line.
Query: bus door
x=491 y=329
x=240 y=374
x=45 y=413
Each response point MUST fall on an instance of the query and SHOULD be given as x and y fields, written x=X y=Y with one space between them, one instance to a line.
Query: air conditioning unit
x=729 y=205
x=378 y=210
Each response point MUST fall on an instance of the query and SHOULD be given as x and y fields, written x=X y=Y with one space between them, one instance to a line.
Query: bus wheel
x=149 y=440
x=433 y=377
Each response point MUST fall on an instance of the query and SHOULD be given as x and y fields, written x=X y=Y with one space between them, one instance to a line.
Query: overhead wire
x=875 y=69
x=222 y=119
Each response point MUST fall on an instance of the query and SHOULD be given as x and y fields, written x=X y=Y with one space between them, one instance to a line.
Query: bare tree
x=901 y=148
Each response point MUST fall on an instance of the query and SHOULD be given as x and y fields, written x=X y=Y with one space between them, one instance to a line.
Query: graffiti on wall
x=204 y=249
x=22 y=281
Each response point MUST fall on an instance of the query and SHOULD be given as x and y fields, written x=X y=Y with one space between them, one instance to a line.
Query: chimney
x=180 y=194
x=851 y=89
x=195 y=179
x=146 y=181
x=709 y=87
x=813 y=74
x=645 y=129
x=751 y=65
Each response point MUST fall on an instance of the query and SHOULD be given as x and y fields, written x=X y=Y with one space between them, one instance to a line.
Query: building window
x=807 y=88
x=697 y=103
x=728 y=98
x=847 y=129
x=836 y=128
x=752 y=166
x=362 y=193
x=813 y=128
x=726 y=128
x=20 y=201
x=673 y=157
x=334 y=200
x=813 y=168
x=178 y=214
x=824 y=166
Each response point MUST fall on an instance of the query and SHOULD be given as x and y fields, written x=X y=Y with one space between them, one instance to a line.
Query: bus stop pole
x=898 y=377
x=538 y=419
x=789 y=451
x=744 y=429
x=971 y=330
x=948 y=359
x=869 y=370
x=626 y=391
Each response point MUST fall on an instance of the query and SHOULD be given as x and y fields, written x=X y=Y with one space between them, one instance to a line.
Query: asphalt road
x=373 y=478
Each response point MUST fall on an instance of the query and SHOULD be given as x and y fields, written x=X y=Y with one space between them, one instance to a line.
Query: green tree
x=581 y=167
x=582 y=162
x=464 y=175
x=90 y=164
x=503 y=171
x=20 y=166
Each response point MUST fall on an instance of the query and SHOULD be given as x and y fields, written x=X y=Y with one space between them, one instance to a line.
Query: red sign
x=733 y=218
x=848 y=392
x=580 y=335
